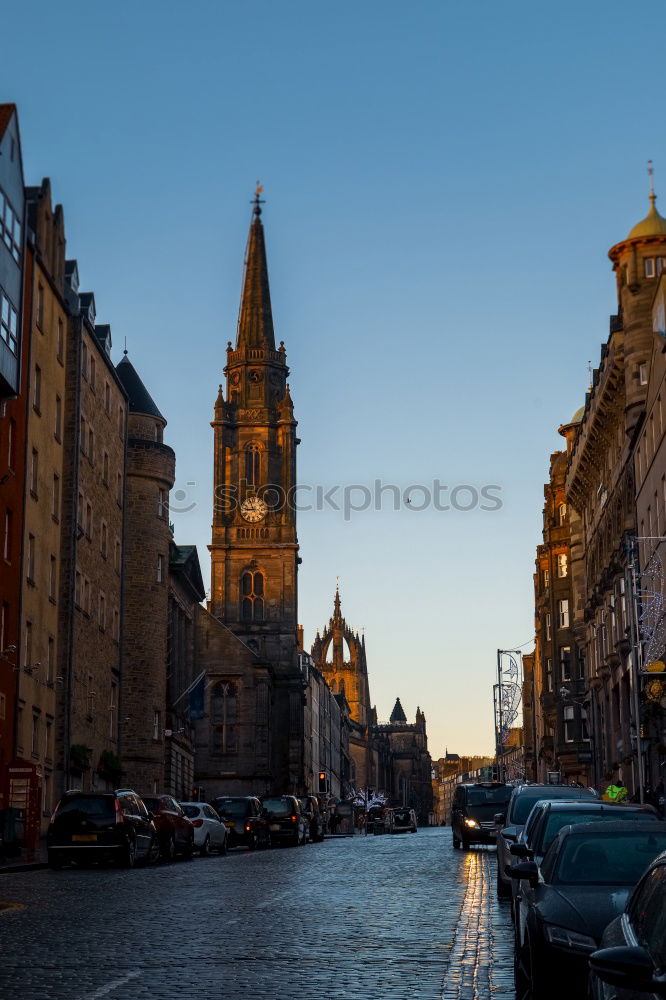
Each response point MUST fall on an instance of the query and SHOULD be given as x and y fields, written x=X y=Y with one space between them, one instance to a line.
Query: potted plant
x=79 y=757
x=109 y=767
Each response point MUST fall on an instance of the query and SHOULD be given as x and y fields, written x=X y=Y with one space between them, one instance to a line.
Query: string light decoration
x=651 y=623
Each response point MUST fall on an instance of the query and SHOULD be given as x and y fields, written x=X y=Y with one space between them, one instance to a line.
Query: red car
x=174 y=830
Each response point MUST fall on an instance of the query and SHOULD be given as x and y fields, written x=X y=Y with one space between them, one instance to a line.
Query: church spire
x=255 y=319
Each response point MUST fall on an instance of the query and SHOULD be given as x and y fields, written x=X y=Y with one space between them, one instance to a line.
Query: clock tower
x=254 y=547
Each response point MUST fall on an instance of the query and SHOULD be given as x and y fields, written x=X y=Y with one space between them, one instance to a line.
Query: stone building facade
x=46 y=330
x=88 y=682
x=150 y=474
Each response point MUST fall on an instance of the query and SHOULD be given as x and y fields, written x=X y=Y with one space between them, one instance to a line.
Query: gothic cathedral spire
x=255 y=317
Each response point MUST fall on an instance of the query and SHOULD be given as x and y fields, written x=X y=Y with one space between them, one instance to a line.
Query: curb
x=29 y=866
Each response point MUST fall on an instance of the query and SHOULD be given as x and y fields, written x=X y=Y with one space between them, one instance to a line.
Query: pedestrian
x=616 y=792
x=660 y=796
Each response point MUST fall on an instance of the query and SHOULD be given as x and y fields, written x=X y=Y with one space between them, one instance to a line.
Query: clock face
x=253 y=509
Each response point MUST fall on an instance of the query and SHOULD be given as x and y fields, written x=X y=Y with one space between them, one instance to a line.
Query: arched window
x=224 y=716
x=253 y=465
x=252 y=596
x=562 y=513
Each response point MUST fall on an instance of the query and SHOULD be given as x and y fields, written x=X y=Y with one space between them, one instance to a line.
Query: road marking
x=110 y=987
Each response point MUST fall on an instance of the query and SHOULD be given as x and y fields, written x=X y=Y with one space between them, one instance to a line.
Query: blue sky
x=443 y=182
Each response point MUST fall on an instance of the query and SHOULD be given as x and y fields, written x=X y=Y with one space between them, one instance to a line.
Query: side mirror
x=628 y=967
x=527 y=870
x=520 y=851
x=499 y=818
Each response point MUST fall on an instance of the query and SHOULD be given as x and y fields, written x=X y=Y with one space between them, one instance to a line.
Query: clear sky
x=443 y=181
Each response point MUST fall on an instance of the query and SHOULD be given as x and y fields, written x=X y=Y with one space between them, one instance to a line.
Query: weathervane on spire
x=258 y=201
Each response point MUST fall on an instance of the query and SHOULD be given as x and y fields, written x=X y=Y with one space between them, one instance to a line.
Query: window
x=562 y=565
x=549 y=674
x=87 y=595
x=50 y=660
x=116 y=625
x=223 y=710
x=116 y=556
x=89 y=520
x=113 y=702
x=93 y=373
x=107 y=398
x=57 y=427
x=8 y=323
x=563 y=614
x=34 y=472
x=31 y=559
x=28 y=644
x=37 y=390
x=40 y=306
x=160 y=569
x=252 y=464
x=11 y=443
x=562 y=513
x=119 y=489
x=643 y=373
x=103 y=539
x=162 y=503
x=4 y=618
x=34 y=736
x=7 y=541
x=565 y=663
x=121 y=419
x=546 y=579
x=53 y=578
x=648 y=265
x=105 y=468
x=252 y=596
x=79 y=511
x=60 y=342
x=101 y=611
x=569 y=724
x=78 y=589
x=84 y=360
x=55 y=497
x=156 y=726
x=10 y=224
x=548 y=626
x=91 y=445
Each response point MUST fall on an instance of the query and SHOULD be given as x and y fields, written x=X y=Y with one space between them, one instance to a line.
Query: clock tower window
x=252 y=597
x=253 y=464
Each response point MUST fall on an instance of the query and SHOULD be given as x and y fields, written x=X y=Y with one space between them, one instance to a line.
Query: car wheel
x=268 y=843
x=189 y=850
x=204 y=850
x=223 y=846
x=169 y=848
x=154 y=851
x=129 y=859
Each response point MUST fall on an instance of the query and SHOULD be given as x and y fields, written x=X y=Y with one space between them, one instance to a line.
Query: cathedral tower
x=340 y=655
x=254 y=547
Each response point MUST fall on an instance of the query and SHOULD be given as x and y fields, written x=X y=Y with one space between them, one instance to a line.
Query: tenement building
x=601 y=487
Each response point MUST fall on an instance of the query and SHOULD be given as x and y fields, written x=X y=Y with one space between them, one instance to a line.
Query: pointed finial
x=258 y=201
x=125 y=351
x=589 y=375
x=650 y=171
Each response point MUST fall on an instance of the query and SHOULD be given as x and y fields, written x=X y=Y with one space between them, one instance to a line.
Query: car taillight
x=197 y=822
x=119 y=813
x=53 y=814
x=247 y=827
x=294 y=818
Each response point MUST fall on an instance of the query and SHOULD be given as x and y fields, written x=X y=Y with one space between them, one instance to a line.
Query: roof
x=185 y=559
x=578 y=415
x=652 y=225
x=140 y=400
x=6 y=112
x=255 y=319
x=398 y=713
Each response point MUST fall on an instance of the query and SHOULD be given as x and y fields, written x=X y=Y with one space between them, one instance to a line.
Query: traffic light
x=323 y=781
x=198 y=794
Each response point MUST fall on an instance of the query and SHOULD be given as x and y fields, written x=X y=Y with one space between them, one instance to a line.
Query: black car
x=285 y=820
x=101 y=826
x=543 y=825
x=404 y=820
x=583 y=883
x=243 y=817
x=314 y=819
x=632 y=960
x=513 y=819
x=473 y=812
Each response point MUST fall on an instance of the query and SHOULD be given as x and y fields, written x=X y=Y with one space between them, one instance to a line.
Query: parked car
x=313 y=817
x=210 y=833
x=285 y=820
x=404 y=820
x=244 y=819
x=512 y=821
x=473 y=811
x=632 y=960
x=174 y=830
x=583 y=883
x=101 y=826
x=545 y=822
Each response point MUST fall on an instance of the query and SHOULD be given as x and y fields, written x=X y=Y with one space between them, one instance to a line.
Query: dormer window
x=648 y=264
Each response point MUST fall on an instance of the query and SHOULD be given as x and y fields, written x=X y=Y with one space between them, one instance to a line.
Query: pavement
x=393 y=917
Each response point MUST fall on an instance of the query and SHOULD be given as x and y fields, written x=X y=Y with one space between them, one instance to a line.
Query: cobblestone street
x=391 y=917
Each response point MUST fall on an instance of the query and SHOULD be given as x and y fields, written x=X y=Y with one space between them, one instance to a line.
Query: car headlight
x=471 y=822
x=562 y=937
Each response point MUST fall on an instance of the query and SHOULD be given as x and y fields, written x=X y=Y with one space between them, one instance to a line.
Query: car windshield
x=570 y=817
x=402 y=815
x=152 y=804
x=190 y=811
x=231 y=809
x=278 y=807
x=488 y=796
x=523 y=803
x=608 y=859
x=99 y=807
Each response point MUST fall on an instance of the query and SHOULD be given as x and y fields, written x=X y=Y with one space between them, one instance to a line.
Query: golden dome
x=652 y=225
x=578 y=415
